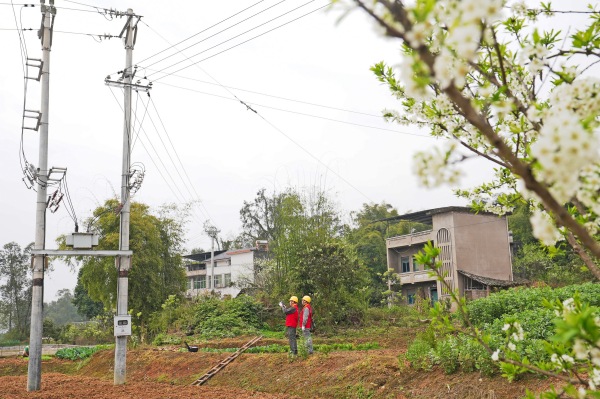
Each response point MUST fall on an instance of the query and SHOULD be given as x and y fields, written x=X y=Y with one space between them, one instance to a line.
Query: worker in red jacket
x=306 y=322
x=291 y=322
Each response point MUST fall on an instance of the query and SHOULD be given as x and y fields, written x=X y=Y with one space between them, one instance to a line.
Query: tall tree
x=62 y=310
x=156 y=271
x=308 y=254
x=15 y=293
x=85 y=305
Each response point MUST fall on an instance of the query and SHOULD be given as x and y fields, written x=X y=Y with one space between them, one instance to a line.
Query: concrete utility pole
x=212 y=232
x=124 y=262
x=34 y=371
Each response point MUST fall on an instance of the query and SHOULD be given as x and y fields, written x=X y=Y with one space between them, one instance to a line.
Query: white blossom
x=543 y=228
x=495 y=355
x=580 y=348
x=567 y=359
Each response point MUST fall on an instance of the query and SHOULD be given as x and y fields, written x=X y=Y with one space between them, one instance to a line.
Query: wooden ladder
x=225 y=362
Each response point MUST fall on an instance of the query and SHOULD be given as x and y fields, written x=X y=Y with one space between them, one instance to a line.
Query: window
x=415 y=264
x=411 y=299
x=227 y=279
x=405 y=265
x=218 y=281
x=198 y=282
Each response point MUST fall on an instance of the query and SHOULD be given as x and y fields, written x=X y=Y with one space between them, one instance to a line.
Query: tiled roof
x=426 y=216
x=240 y=251
x=492 y=282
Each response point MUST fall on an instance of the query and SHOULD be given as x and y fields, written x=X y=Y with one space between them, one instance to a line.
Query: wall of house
x=423 y=290
x=406 y=245
x=481 y=244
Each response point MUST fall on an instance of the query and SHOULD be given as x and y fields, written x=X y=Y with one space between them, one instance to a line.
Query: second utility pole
x=124 y=262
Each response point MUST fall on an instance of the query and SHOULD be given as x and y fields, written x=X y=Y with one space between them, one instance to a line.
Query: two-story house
x=475 y=253
x=227 y=273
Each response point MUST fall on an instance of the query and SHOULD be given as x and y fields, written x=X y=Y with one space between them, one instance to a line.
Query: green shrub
x=421 y=355
x=80 y=352
x=166 y=339
x=10 y=342
x=212 y=317
x=518 y=300
x=447 y=354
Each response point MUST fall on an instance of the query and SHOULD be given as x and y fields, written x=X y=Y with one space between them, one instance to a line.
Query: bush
x=421 y=355
x=212 y=317
x=79 y=353
x=447 y=354
x=165 y=339
x=518 y=300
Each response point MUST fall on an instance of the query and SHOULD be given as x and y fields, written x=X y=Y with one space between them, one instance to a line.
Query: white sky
x=227 y=152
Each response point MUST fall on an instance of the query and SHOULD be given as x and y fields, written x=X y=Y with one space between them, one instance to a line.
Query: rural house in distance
x=475 y=253
x=231 y=270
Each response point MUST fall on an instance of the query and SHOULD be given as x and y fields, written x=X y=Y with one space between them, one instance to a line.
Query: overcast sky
x=317 y=119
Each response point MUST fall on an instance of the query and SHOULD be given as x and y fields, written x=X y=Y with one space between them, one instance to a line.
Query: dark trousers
x=290 y=332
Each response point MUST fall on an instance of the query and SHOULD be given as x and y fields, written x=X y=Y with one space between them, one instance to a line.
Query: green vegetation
x=537 y=322
x=515 y=301
x=80 y=352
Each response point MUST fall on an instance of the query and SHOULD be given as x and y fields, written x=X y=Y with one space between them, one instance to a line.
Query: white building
x=228 y=273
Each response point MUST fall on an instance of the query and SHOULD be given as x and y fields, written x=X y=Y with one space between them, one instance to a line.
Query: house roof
x=240 y=251
x=492 y=282
x=426 y=216
x=223 y=254
x=201 y=257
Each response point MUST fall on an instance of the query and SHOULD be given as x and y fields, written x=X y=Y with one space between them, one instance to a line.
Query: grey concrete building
x=475 y=253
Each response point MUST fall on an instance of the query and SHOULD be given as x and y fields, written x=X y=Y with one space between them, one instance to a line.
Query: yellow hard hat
x=294 y=298
x=306 y=298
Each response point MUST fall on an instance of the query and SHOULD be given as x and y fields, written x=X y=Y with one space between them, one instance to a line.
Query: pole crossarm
x=80 y=252
x=134 y=86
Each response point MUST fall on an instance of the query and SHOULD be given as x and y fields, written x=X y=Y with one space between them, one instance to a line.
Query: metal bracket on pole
x=76 y=252
x=135 y=86
x=37 y=115
x=36 y=63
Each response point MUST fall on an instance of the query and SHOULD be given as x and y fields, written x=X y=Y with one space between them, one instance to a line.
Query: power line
x=169 y=154
x=180 y=197
x=277 y=97
x=202 y=31
x=237 y=45
x=221 y=31
x=314 y=157
x=298 y=113
x=152 y=158
x=179 y=159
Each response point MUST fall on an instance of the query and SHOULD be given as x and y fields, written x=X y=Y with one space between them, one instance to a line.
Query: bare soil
x=167 y=373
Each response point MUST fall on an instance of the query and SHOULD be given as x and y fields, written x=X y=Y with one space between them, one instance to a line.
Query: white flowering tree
x=498 y=82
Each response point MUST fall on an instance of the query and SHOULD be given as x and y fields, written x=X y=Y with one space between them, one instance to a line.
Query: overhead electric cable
x=298 y=113
x=274 y=96
x=181 y=196
x=180 y=162
x=204 y=30
x=151 y=157
x=314 y=157
x=141 y=122
x=237 y=45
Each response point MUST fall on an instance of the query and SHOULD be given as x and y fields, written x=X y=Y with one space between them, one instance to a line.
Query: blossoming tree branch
x=500 y=83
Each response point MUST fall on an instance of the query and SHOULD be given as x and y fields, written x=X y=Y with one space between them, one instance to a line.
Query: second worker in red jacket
x=306 y=321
